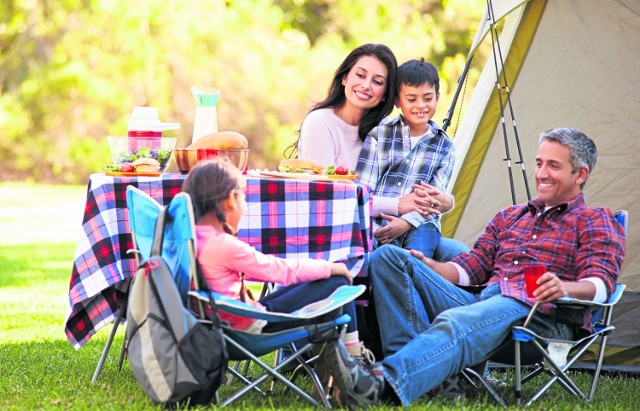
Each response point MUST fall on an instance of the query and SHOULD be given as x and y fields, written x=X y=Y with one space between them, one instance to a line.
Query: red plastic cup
x=531 y=275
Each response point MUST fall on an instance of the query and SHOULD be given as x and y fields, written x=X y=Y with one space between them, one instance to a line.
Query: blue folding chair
x=179 y=251
x=243 y=345
x=550 y=357
x=143 y=212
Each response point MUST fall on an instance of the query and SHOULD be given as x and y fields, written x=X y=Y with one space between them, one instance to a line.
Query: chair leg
x=596 y=372
x=123 y=354
x=518 y=376
x=107 y=346
x=123 y=349
x=467 y=373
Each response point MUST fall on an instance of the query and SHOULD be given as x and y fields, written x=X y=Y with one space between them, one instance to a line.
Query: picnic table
x=285 y=217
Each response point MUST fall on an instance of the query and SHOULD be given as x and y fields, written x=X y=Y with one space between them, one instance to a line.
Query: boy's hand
x=395 y=228
x=440 y=202
x=418 y=200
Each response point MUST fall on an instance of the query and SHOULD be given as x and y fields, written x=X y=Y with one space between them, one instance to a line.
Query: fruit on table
x=127 y=168
x=339 y=171
x=342 y=170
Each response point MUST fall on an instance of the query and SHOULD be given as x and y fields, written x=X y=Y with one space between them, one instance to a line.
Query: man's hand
x=395 y=228
x=550 y=288
x=446 y=270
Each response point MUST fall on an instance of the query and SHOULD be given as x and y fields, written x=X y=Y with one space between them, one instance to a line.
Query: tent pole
x=513 y=118
x=452 y=107
x=495 y=44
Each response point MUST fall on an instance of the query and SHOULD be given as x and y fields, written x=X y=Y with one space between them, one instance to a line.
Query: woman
x=359 y=98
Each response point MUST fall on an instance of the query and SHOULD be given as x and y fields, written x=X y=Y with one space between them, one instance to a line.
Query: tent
x=569 y=63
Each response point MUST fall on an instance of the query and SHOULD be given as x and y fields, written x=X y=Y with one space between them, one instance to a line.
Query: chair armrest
x=341 y=296
x=615 y=297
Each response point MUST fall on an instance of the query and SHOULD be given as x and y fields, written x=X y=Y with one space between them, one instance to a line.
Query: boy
x=408 y=149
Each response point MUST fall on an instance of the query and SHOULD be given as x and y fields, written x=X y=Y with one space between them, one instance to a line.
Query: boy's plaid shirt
x=389 y=165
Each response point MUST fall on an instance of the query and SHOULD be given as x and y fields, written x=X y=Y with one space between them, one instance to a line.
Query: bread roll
x=146 y=165
x=221 y=140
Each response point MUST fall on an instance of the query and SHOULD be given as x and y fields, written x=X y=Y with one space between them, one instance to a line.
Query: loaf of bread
x=221 y=140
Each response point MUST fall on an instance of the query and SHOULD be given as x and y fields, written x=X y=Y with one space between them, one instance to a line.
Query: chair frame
x=131 y=191
x=238 y=341
x=521 y=334
x=186 y=265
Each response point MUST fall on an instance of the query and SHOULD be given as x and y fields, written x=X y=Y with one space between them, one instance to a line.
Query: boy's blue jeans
x=438 y=328
x=427 y=238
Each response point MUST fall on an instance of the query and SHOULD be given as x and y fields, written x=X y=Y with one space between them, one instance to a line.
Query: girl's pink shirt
x=223 y=257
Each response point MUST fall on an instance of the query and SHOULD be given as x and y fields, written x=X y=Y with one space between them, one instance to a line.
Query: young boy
x=408 y=149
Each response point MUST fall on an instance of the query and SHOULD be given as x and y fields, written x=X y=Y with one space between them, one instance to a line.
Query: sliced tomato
x=342 y=170
x=127 y=168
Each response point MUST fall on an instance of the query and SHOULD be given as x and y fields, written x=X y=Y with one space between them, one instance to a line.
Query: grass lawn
x=39 y=369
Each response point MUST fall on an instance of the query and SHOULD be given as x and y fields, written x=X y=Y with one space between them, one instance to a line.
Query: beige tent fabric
x=581 y=70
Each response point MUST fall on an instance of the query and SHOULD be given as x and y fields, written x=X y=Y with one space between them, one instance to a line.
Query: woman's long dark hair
x=336 y=97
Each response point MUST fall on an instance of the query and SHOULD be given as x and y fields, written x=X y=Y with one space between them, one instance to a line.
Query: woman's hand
x=341 y=269
x=395 y=228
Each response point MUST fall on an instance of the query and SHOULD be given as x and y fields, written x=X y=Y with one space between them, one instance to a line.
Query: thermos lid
x=146 y=119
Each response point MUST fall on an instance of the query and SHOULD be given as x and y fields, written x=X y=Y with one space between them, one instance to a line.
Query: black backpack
x=177 y=359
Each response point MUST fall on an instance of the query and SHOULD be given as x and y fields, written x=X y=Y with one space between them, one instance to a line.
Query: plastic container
x=145 y=124
x=206 y=117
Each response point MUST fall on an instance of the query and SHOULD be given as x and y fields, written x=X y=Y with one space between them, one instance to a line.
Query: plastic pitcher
x=206 y=119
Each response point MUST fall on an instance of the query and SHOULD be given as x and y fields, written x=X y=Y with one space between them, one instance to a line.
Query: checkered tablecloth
x=288 y=218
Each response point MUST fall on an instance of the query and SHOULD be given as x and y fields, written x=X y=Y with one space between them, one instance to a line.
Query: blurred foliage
x=71 y=70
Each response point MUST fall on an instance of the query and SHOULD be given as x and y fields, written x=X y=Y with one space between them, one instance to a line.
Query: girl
x=216 y=188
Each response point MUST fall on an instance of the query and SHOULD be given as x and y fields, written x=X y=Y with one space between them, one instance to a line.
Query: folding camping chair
x=143 y=212
x=179 y=250
x=243 y=345
x=550 y=357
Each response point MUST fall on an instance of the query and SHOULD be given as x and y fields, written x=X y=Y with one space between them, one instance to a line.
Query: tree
x=71 y=70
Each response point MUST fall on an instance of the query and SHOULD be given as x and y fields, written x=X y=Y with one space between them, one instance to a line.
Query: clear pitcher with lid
x=206 y=118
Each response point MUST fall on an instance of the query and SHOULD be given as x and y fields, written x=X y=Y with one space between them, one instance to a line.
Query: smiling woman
x=34 y=214
x=360 y=96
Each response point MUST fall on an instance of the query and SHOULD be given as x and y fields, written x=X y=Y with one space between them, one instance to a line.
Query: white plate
x=307 y=177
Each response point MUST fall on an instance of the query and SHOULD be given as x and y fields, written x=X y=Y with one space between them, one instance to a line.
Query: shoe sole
x=342 y=379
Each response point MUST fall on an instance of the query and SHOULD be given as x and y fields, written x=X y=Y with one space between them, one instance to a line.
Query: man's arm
x=446 y=270
x=551 y=288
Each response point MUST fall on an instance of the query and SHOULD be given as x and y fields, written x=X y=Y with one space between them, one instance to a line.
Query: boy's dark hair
x=415 y=73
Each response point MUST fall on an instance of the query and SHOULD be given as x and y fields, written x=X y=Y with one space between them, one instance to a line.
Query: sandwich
x=146 y=165
x=300 y=165
x=222 y=140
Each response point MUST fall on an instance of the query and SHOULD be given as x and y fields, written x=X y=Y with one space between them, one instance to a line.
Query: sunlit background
x=72 y=70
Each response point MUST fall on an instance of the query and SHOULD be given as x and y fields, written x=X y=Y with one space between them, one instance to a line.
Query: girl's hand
x=341 y=269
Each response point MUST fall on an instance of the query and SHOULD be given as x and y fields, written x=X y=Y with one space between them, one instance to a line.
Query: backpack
x=177 y=359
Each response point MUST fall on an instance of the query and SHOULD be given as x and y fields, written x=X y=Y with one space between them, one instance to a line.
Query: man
x=436 y=329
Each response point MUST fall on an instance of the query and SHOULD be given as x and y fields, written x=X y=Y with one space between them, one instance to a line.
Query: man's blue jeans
x=431 y=329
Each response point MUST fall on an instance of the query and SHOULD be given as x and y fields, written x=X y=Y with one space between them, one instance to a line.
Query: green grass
x=39 y=369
